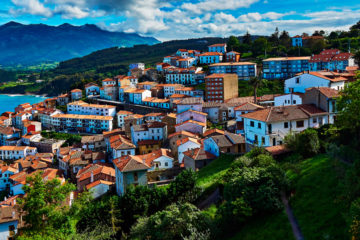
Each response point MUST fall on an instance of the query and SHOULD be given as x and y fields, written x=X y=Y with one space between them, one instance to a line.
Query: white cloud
x=33 y=7
x=70 y=12
x=214 y=5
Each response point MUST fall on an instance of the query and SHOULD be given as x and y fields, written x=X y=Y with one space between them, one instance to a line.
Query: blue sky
x=173 y=19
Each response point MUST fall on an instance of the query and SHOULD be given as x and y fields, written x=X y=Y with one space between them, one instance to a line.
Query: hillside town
x=136 y=132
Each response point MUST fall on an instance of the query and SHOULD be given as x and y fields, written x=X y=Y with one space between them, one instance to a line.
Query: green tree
x=306 y=143
x=259 y=47
x=247 y=38
x=42 y=207
x=357 y=56
x=348 y=105
x=177 y=221
x=233 y=43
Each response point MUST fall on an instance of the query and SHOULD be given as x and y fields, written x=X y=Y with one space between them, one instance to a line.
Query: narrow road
x=294 y=224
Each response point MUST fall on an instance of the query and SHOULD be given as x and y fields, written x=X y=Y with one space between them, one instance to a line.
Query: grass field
x=210 y=174
x=316 y=204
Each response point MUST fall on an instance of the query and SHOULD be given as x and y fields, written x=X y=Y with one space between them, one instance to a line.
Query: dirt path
x=294 y=224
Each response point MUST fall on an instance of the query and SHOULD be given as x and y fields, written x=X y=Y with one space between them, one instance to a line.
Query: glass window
x=300 y=124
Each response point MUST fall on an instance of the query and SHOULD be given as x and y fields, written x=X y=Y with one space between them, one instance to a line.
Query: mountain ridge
x=45 y=43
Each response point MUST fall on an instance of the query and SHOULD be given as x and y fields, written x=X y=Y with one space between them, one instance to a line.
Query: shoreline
x=26 y=94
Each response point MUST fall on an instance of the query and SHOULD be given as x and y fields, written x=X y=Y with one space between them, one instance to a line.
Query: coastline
x=26 y=94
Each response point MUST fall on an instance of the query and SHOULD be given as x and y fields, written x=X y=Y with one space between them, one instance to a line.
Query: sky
x=173 y=19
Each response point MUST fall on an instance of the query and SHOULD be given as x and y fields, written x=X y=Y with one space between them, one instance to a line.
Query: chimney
x=13 y=214
x=92 y=177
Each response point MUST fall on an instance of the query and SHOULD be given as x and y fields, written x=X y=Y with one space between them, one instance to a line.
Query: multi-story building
x=109 y=92
x=331 y=60
x=190 y=91
x=221 y=87
x=8 y=135
x=83 y=108
x=45 y=117
x=169 y=89
x=186 y=76
x=284 y=67
x=219 y=47
x=210 y=57
x=82 y=123
x=16 y=152
x=121 y=115
x=244 y=70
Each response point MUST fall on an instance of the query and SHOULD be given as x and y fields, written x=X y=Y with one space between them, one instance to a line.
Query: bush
x=306 y=143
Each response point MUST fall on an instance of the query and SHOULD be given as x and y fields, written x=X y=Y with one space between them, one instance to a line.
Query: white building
x=121 y=115
x=186 y=144
x=76 y=94
x=312 y=79
x=169 y=89
x=288 y=99
x=92 y=89
x=16 y=152
x=149 y=131
x=269 y=126
x=83 y=108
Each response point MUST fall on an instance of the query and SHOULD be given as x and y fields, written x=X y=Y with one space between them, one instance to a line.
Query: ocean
x=10 y=102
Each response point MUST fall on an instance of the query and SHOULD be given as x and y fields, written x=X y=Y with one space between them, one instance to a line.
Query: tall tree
x=256 y=82
x=247 y=38
x=233 y=43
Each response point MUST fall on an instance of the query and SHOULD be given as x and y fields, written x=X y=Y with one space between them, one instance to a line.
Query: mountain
x=39 y=43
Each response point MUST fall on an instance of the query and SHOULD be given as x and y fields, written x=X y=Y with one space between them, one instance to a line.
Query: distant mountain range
x=38 y=43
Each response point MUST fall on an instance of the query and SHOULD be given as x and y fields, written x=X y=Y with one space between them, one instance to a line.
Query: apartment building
x=16 y=152
x=331 y=60
x=221 y=87
x=82 y=123
x=244 y=70
x=284 y=67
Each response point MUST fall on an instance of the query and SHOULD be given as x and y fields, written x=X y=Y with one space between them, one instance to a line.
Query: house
x=191 y=121
x=174 y=137
x=225 y=143
x=323 y=98
x=154 y=117
x=30 y=126
x=147 y=85
x=139 y=95
x=5 y=172
x=189 y=91
x=23 y=108
x=63 y=99
x=16 y=152
x=191 y=103
x=46 y=145
x=19 y=117
x=92 y=173
x=8 y=135
x=82 y=123
x=169 y=89
x=108 y=82
x=18 y=180
x=99 y=188
x=76 y=94
x=124 y=90
x=197 y=158
x=210 y=57
x=296 y=41
x=121 y=115
x=93 y=143
x=288 y=99
x=50 y=102
x=219 y=47
x=268 y=127
x=129 y=121
x=92 y=89
x=185 y=76
x=129 y=171
x=121 y=146
x=232 y=56
x=243 y=109
x=109 y=92
x=9 y=221
x=137 y=65
x=170 y=121
x=160 y=66
x=284 y=67
x=122 y=80
x=221 y=87
x=45 y=117
x=185 y=144
x=148 y=146
x=244 y=70
x=306 y=80
x=149 y=131
x=158 y=159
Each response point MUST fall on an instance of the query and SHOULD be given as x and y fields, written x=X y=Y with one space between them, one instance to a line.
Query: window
x=166 y=164
x=286 y=125
x=259 y=125
x=263 y=141
x=255 y=139
x=297 y=80
x=314 y=120
x=252 y=124
x=299 y=124
x=135 y=176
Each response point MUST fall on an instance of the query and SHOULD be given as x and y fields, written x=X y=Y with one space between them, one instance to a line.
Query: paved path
x=294 y=224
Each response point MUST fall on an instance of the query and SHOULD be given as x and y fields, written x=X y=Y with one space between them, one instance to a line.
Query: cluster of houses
x=119 y=148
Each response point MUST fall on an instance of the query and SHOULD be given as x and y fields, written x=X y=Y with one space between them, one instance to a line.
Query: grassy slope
x=315 y=204
x=209 y=174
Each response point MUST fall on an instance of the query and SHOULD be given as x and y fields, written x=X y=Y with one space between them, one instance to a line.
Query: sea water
x=10 y=102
